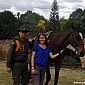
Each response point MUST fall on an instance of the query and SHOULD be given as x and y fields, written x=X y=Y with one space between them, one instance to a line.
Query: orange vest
x=19 y=47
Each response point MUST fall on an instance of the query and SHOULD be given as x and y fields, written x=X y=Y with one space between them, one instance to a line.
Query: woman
x=40 y=53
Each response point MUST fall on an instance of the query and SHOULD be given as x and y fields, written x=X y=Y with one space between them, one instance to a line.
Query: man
x=17 y=59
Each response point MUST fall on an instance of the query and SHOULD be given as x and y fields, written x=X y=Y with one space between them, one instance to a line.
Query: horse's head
x=77 y=42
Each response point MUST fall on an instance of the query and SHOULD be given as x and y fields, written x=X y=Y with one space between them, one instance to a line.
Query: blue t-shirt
x=41 y=55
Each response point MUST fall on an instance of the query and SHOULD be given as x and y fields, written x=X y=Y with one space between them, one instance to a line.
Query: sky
x=42 y=7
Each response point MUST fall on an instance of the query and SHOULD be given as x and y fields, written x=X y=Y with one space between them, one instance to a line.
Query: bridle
x=75 y=44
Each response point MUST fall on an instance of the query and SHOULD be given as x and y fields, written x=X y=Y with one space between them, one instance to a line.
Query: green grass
x=66 y=77
x=5 y=78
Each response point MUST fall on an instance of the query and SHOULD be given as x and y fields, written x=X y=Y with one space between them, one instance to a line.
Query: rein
x=74 y=41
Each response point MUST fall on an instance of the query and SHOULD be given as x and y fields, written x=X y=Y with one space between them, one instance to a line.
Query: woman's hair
x=38 y=41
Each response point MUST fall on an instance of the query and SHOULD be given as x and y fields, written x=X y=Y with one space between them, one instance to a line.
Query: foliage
x=30 y=19
x=7 y=22
x=41 y=24
x=54 y=17
x=36 y=23
x=78 y=17
x=63 y=23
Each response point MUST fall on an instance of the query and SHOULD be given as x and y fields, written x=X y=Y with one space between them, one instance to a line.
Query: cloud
x=66 y=7
x=39 y=5
x=42 y=6
x=43 y=12
x=73 y=1
x=4 y=5
x=78 y=5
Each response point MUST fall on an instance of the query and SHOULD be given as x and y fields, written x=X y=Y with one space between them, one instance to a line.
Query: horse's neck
x=59 y=40
x=67 y=32
x=66 y=35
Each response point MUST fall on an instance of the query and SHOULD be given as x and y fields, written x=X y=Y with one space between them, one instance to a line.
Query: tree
x=18 y=19
x=54 y=17
x=78 y=17
x=18 y=15
x=7 y=22
x=63 y=23
x=41 y=24
x=30 y=19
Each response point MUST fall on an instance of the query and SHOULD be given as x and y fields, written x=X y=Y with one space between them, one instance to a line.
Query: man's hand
x=9 y=70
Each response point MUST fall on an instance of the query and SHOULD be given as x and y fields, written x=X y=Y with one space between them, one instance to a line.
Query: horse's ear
x=76 y=27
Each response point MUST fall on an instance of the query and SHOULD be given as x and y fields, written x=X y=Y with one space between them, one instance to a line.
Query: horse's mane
x=69 y=27
x=74 y=27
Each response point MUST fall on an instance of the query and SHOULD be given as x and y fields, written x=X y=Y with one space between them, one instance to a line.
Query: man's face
x=22 y=34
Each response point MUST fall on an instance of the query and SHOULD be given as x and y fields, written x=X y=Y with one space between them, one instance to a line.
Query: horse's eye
x=76 y=36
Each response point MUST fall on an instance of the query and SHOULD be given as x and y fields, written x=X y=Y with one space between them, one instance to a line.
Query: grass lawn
x=67 y=76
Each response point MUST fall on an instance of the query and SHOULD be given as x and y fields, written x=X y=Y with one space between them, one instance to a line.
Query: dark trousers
x=20 y=74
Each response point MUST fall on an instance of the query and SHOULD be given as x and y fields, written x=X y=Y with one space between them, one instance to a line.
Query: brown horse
x=59 y=41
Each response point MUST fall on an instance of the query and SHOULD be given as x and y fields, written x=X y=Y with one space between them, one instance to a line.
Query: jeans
x=38 y=77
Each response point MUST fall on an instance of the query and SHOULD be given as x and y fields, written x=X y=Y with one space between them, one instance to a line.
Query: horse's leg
x=57 y=69
x=58 y=64
x=48 y=75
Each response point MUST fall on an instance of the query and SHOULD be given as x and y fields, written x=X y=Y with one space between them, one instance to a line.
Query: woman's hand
x=61 y=51
x=53 y=56
x=33 y=71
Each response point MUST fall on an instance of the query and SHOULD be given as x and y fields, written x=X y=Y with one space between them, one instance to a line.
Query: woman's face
x=42 y=39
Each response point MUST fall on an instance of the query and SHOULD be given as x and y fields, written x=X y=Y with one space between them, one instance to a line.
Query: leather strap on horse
x=19 y=47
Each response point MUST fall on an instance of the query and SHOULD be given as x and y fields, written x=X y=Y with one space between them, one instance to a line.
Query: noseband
x=75 y=44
